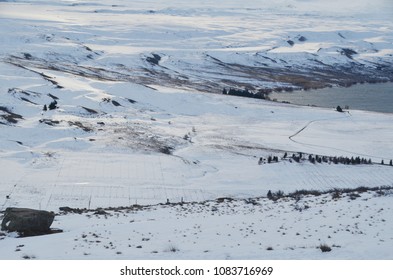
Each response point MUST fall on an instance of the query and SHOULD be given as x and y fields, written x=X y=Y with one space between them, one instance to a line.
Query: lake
x=369 y=97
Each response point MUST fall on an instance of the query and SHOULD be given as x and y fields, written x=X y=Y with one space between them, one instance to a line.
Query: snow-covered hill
x=353 y=226
x=109 y=104
x=203 y=45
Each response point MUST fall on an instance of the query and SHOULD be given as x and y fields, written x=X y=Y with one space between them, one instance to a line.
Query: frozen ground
x=136 y=123
x=353 y=226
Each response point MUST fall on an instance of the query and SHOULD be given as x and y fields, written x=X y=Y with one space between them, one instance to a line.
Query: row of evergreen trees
x=390 y=162
x=322 y=159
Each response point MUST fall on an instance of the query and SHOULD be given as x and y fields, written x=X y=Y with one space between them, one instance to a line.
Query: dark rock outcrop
x=154 y=60
x=290 y=42
x=302 y=39
x=28 y=222
x=348 y=52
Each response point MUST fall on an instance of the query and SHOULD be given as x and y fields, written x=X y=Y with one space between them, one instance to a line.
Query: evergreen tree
x=269 y=194
x=45 y=108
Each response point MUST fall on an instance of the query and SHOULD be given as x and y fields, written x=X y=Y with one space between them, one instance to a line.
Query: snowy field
x=136 y=122
x=213 y=149
x=353 y=227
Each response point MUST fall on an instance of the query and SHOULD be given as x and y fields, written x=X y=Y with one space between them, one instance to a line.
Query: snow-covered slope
x=352 y=225
x=131 y=119
x=203 y=45
x=116 y=143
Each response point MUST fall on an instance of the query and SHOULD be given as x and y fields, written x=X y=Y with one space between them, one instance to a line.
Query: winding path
x=347 y=115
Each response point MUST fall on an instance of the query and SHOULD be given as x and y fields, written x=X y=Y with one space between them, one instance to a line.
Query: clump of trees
x=271 y=159
x=244 y=93
x=52 y=106
x=275 y=195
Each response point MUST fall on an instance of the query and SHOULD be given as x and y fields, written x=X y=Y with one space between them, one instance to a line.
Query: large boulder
x=26 y=221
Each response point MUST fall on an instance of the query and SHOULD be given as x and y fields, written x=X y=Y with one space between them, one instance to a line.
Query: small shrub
x=336 y=194
x=27 y=257
x=305 y=192
x=361 y=189
x=165 y=150
x=279 y=194
x=325 y=248
x=353 y=196
x=172 y=248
